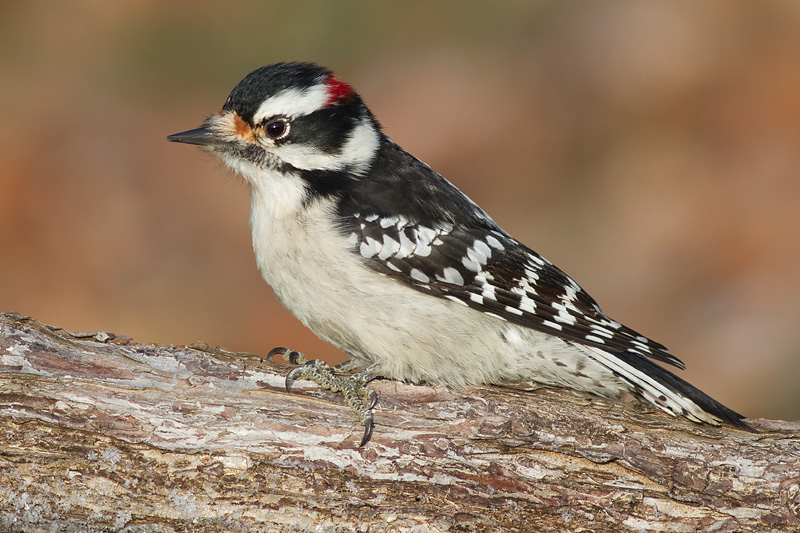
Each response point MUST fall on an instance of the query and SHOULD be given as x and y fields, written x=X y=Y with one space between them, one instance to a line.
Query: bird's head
x=294 y=119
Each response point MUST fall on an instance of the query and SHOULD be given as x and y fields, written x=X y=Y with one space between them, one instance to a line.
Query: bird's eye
x=277 y=128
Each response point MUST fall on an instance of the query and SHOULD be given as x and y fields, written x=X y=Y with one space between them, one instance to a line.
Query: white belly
x=411 y=335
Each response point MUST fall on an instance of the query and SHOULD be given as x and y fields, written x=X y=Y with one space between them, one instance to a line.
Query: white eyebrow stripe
x=293 y=102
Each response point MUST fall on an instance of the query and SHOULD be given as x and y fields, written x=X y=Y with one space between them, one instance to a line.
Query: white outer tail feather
x=651 y=389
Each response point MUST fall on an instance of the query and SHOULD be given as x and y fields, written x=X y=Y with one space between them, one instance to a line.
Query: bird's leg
x=353 y=387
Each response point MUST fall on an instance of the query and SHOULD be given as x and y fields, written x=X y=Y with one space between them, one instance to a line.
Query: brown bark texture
x=99 y=433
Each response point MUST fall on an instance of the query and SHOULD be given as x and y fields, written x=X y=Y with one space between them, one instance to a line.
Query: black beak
x=201 y=136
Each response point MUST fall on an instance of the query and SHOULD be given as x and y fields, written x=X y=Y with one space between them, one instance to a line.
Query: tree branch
x=100 y=433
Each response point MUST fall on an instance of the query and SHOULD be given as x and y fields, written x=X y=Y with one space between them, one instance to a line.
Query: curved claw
x=292 y=376
x=368 y=424
x=275 y=351
x=373 y=399
x=293 y=357
x=354 y=388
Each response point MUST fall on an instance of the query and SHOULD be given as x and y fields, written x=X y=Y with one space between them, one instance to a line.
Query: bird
x=381 y=256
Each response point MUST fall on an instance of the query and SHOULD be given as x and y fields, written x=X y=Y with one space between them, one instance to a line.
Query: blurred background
x=651 y=150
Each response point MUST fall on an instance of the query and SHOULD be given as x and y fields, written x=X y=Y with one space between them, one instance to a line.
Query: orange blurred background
x=651 y=150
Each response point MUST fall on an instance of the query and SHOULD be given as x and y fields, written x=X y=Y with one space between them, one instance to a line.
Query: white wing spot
x=494 y=243
x=527 y=305
x=531 y=275
x=418 y=275
x=641 y=346
x=477 y=256
x=425 y=234
x=602 y=331
x=453 y=298
x=565 y=317
x=389 y=221
x=487 y=289
x=423 y=249
x=470 y=264
x=369 y=248
x=482 y=248
x=451 y=275
x=407 y=246
x=570 y=293
x=390 y=247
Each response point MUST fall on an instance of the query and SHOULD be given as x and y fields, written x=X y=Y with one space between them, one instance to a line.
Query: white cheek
x=307 y=157
x=356 y=153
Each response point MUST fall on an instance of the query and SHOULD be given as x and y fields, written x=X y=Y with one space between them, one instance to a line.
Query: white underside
x=410 y=335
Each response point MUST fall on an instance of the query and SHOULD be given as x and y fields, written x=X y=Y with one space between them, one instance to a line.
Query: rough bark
x=99 y=433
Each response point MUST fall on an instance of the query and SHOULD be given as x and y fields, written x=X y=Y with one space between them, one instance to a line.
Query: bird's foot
x=354 y=387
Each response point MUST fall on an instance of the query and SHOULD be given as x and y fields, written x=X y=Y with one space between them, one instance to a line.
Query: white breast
x=413 y=336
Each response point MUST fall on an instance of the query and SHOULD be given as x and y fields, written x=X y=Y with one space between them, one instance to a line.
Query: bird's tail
x=667 y=391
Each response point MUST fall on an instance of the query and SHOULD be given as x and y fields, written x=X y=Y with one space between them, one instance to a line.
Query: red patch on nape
x=337 y=90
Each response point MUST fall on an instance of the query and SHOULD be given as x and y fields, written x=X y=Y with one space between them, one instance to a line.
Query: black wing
x=409 y=223
x=484 y=268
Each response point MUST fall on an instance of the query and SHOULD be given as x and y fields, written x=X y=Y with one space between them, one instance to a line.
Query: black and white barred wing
x=487 y=270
